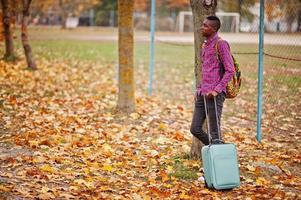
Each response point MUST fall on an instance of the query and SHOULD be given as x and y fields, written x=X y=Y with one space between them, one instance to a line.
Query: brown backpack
x=233 y=87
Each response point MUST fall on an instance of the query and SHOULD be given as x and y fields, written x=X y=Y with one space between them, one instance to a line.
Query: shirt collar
x=212 y=38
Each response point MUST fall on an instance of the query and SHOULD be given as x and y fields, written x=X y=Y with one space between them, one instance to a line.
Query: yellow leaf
x=251 y=168
x=136 y=196
x=273 y=161
x=33 y=143
x=261 y=181
x=4 y=189
x=108 y=168
x=151 y=180
x=73 y=188
x=183 y=195
x=87 y=152
x=46 y=196
x=39 y=159
x=249 y=180
x=162 y=127
x=146 y=197
x=286 y=171
x=107 y=147
x=47 y=168
x=154 y=153
x=170 y=169
x=86 y=170
x=135 y=116
x=84 y=182
x=66 y=196
x=164 y=176
x=80 y=130
x=79 y=181
x=104 y=188
x=45 y=189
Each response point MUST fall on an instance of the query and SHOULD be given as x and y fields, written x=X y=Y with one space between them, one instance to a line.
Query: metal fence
x=240 y=26
x=281 y=57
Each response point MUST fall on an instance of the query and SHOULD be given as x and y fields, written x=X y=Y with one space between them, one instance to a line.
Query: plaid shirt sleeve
x=226 y=58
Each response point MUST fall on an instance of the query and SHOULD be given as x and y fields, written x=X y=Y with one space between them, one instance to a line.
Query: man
x=214 y=80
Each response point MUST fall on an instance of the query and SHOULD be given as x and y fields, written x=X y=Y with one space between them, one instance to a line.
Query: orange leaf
x=178 y=136
x=45 y=142
x=164 y=176
x=159 y=192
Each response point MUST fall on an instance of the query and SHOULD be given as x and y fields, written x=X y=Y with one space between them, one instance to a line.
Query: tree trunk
x=24 y=35
x=290 y=21
x=299 y=21
x=126 y=94
x=14 y=14
x=240 y=2
x=199 y=11
x=63 y=14
x=8 y=36
x=64 y=20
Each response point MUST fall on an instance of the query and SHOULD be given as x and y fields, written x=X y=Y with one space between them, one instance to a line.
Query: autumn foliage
x=142 y=5
x=60 y=139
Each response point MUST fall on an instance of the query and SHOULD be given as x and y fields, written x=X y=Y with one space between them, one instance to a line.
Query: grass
x=293 y=82
x=179 y=57
x=107 y=51
x=181 y=171
x=174 y=64
x=80 y=50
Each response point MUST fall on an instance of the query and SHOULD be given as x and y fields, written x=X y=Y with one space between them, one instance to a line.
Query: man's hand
x=212 y=94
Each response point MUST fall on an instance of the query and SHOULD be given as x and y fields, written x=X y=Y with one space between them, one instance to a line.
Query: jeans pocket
x=222 y=96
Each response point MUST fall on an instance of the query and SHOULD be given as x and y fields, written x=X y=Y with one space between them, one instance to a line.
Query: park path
x=111 y=34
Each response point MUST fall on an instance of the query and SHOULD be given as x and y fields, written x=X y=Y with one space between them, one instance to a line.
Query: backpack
x=233 y=87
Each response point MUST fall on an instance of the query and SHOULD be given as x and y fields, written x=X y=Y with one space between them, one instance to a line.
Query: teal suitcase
x=220 y=163
x=220 y=166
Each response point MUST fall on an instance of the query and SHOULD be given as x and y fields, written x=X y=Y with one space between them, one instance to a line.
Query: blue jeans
x=199 y=117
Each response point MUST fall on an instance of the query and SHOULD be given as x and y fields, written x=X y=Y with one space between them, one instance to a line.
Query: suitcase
x=220 y=163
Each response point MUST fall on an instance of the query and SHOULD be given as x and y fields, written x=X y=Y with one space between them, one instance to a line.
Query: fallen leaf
x=47 y=168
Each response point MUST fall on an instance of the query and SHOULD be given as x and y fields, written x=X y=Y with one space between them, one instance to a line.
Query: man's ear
x=214 y=27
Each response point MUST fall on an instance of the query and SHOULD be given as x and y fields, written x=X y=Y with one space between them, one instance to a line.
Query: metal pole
x=91 y=17
x=260 y=71
x=152 y=39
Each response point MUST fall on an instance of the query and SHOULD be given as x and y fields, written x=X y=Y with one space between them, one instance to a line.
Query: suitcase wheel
x=206 y=185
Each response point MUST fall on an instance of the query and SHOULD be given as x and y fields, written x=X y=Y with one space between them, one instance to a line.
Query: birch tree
x=200 y=10
x=126 y=84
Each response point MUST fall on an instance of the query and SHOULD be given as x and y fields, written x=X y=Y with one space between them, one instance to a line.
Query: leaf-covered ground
x=61 y=138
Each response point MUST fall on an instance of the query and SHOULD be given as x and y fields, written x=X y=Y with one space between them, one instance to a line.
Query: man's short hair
x=216 y=20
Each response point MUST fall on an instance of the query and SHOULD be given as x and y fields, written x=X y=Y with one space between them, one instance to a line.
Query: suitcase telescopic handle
x=207 y=119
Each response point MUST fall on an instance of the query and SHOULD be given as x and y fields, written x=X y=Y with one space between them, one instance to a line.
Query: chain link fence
x=174 y=56
x=282 y=67
x=240 y=26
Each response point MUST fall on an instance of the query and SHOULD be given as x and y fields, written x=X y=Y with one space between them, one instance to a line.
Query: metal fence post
x=152 y=39
x=260 y=71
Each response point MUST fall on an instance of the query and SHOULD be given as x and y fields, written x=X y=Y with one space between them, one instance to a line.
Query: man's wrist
x=218 y=90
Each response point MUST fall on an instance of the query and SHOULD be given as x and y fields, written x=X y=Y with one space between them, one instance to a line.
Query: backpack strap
x=216 y=50
x=217 y=54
